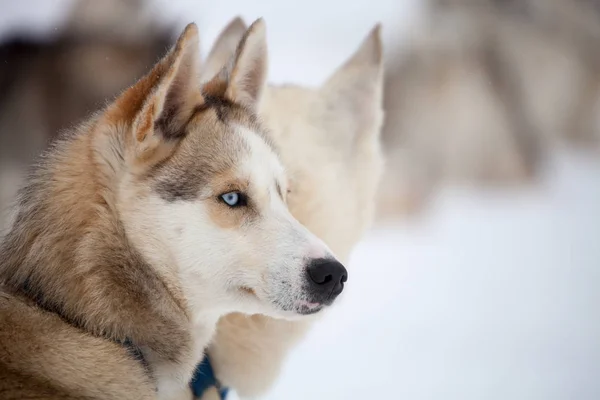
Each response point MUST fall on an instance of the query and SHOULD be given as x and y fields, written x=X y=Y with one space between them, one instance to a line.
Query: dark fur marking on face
x=172 y=191
x=184 y=185
x=165 y=124
x=183 y=182
x=221 y=105
x=228 y=110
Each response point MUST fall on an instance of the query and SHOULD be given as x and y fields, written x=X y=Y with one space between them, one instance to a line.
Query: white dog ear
x=243 y=78
x=356 y=88
x=223 y=48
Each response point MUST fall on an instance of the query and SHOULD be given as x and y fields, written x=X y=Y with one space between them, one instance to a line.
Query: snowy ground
x=489 y=296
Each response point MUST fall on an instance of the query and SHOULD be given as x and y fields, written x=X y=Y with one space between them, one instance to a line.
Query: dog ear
x=356 y=88
x=223 y=48
x=158 y=107
x=243 y=78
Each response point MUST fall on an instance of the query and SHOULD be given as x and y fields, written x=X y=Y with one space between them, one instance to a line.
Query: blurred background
x=487 y=237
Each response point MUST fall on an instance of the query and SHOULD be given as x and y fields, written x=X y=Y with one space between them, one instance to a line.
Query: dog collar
x=204 y=378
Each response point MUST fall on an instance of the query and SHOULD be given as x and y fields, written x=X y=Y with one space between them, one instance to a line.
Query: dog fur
x=328 y=139
x=122 y=235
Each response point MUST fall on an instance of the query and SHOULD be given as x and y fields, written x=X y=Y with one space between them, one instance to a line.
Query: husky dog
x=136 y=233
x=329 y=142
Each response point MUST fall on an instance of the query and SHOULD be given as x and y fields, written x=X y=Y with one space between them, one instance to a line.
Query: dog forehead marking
x=218 y=149
x=263 y=164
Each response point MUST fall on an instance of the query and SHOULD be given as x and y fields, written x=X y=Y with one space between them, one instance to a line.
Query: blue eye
x=233 y=199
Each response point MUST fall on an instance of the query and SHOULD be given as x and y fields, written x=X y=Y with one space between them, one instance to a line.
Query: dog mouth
x=304 y=307
x=299 y=307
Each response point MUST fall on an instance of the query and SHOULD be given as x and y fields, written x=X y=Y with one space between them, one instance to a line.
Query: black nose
x=327 y=278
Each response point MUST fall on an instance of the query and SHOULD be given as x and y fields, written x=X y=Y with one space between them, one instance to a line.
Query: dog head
x=204 y=194
x=328 y=139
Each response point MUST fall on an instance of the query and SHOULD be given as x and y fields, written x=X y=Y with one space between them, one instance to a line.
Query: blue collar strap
x=204 y=378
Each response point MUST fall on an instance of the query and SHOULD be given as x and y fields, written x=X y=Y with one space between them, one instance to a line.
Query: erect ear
x=356 y=88
x=223 y=49
x=243 y=78
x=158 y=107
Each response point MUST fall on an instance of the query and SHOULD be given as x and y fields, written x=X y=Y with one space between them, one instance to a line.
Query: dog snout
x=326 y=279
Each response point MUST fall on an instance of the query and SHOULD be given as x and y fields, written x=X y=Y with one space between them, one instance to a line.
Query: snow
x=489 y=296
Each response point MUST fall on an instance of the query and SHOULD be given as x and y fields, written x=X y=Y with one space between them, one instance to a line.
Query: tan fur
x=329 y=141
x=53 y=360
